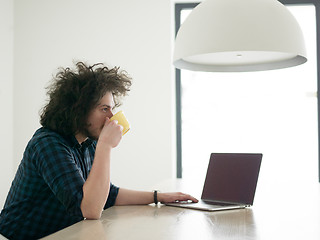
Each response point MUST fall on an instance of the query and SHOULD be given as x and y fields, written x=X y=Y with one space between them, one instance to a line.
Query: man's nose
x=110 y=114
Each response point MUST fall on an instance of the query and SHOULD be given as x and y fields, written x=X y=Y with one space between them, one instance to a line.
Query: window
x=273 y=112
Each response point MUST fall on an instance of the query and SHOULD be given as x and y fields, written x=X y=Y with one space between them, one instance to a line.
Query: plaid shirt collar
x=75 y=144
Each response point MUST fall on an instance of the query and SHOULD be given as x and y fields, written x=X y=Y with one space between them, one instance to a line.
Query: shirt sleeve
x=56 y=164
x=113 y=193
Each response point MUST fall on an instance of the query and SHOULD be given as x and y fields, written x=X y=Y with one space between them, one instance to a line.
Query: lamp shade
x=239 y=36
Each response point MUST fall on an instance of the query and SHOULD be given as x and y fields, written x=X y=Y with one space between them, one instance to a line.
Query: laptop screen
x=232 y=177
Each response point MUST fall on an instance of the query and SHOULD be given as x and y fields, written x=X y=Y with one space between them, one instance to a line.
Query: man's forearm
x=132 y=197
x=96 y=187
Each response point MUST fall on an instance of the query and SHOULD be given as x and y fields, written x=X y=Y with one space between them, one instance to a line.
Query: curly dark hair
x=74 y=93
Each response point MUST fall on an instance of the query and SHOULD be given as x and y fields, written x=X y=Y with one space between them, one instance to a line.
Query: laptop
x=230 y=182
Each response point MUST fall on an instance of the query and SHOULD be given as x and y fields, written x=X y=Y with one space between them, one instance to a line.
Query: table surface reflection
x=267 y=219
x=162 y=222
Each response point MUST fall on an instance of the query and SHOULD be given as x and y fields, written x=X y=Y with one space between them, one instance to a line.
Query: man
x=64 y=175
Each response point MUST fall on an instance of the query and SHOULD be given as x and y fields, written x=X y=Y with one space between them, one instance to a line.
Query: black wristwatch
x=155 y=196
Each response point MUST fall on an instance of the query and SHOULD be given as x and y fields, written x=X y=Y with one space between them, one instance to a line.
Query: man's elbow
x=92 y=214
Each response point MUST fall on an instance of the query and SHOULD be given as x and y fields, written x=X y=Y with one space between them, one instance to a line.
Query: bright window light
x=270 y=112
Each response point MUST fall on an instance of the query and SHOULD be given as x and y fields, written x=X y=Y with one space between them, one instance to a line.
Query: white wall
x=6 y=89
x=135 y=35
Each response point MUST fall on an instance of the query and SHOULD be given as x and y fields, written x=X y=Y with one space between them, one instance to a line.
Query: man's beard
x=87 y=133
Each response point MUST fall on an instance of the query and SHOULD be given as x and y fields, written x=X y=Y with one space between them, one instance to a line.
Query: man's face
x=97 y=116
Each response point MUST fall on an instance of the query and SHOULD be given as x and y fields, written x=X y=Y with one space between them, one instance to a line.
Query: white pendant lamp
x=239 y=36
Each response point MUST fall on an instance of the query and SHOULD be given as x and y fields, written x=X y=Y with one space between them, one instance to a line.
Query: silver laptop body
x=230 y=182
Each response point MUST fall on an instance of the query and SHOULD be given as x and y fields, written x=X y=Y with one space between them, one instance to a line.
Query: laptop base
x=201 y=205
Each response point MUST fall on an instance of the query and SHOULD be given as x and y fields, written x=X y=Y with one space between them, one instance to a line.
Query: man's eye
x=105 y=109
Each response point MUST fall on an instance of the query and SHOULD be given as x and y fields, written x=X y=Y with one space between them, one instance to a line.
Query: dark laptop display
x=230 y=183
x=232 y=177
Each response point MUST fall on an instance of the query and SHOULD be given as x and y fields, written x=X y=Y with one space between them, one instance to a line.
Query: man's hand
x=175 y=197
x=111 y=133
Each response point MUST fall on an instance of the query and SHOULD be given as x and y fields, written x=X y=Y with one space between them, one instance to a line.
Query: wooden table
x=287 y=218
x=152 y=223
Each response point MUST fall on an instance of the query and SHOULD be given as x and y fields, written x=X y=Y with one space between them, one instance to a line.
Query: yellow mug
x=122 y=120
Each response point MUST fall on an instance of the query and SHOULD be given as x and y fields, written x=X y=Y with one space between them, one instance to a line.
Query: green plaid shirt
x=46 y=192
